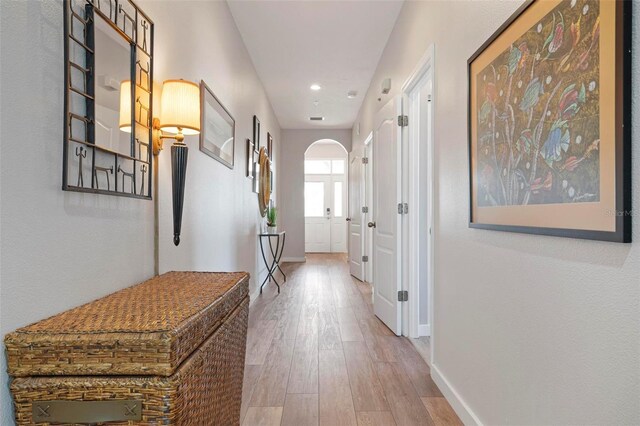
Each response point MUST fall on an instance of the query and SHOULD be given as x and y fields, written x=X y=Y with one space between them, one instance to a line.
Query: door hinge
x=403 y=120
x=365 y=160
x=403 y=296
x=365 y=209
x=405 y=208
x=365 y=258
x=400 y=208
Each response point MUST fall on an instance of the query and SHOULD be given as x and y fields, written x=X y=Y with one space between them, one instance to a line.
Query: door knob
x=348 y=219
x=371 y=224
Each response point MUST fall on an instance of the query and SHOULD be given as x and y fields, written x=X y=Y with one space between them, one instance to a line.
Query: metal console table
x=276 y=255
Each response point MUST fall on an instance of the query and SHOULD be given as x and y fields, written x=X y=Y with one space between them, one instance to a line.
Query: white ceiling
x=336 y=44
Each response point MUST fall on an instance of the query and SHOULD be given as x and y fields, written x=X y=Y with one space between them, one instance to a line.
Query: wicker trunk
x=168 y=351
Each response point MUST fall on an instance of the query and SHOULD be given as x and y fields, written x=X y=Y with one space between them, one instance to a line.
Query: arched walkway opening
x=325 y=197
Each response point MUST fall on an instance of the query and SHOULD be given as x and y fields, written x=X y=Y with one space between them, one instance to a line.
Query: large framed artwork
x=217 y=135
x=550 y=122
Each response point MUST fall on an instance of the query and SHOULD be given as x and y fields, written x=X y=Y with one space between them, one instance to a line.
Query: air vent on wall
x=316 y=118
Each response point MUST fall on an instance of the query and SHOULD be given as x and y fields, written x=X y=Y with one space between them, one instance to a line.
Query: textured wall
x=221 y=218
x=291 y=201
x=61 y=249
x=528 y=329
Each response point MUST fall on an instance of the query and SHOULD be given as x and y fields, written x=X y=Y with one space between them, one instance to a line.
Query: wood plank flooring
x=317 y=355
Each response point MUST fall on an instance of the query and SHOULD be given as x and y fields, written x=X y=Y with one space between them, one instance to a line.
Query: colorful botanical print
x=538 y=128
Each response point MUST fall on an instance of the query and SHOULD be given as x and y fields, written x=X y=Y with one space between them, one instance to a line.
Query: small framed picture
x=256 y=176
x=249 y=159
x=256 y=132
x=270 y=146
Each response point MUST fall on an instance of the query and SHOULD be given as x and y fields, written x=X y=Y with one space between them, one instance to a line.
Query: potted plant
x=272 y=214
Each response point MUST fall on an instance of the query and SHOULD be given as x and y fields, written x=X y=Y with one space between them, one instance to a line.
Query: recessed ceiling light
x=315 y=87
x=352 y=94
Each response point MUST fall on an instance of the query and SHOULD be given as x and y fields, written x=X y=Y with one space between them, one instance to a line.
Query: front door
x=385 y=220
x=317 y=213
x=338 y=195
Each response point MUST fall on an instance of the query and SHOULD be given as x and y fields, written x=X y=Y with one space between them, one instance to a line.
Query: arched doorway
x=325 y=197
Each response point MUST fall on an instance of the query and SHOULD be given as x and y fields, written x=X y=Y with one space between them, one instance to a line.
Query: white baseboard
x=294 y=259
x=424 y=330
x=461 y=408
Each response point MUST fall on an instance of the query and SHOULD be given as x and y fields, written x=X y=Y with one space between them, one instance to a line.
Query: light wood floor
x=316 y=354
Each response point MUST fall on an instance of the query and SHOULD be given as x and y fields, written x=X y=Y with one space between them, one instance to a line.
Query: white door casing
x=418 y=104
x=356 y=240
x=386 y=220
x=367 y=217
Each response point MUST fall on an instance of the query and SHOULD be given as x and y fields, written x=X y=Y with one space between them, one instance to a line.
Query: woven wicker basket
x=174 y=344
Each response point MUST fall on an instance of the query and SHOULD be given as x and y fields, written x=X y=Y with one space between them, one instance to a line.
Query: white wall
x=60 y=249
x=291 y=186
x=325 y=150
x=528 y=329
x=199 y=40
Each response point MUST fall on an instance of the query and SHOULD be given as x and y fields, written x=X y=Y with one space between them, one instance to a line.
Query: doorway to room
x=391 y=207
x=418 y=187
x=325 y=197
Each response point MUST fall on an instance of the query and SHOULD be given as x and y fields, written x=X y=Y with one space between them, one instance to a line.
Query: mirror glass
x=112 y=89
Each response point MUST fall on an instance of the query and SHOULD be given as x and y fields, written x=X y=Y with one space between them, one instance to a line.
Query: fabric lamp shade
x=180 y=107
x=125 y=106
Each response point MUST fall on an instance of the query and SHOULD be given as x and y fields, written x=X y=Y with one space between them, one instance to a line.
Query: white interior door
x=338 y=215
x=317 y=212
x=367 y=170
x=356 y=240
x=386 y=221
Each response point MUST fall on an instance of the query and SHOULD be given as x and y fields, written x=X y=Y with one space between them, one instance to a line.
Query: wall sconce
x=179 y=117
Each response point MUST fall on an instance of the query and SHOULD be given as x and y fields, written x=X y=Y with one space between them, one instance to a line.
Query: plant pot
x=272 y=229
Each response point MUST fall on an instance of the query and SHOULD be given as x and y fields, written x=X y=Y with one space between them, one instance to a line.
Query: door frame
x=344 y=178
x=425 y=68
x=367 y=182
x=356 y=163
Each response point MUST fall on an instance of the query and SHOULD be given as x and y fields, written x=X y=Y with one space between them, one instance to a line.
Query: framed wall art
x=550 y=122
x=256 y=132
x=269 y=146
x=256 y=172
x=217 y=134
x=249 y=159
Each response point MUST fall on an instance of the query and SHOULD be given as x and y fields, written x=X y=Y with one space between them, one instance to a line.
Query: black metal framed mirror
x=108 y=48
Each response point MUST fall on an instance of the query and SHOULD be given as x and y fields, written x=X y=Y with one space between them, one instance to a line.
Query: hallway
x=316 y=354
